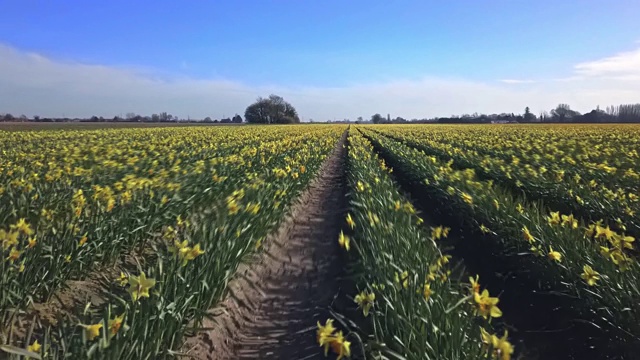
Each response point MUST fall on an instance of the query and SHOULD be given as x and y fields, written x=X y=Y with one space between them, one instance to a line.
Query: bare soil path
x=276 y=300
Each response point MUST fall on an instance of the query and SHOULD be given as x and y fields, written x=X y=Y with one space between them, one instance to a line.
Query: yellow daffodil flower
x=139 y=286
x=365 y=301
x=34 y=347
x=344 y=241
x=589 y=275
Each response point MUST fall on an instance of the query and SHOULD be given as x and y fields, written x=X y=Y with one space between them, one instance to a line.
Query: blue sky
x=363 y=52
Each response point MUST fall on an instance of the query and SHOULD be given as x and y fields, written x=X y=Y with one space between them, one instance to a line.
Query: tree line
x=271 y=110
x=626 y=113
x=275 y=110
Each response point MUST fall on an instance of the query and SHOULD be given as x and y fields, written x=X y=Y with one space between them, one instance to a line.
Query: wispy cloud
x=622 y=66
x=33 y=84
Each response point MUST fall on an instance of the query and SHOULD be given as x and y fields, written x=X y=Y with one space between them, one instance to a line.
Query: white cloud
x=32 y=84
x=623 y=66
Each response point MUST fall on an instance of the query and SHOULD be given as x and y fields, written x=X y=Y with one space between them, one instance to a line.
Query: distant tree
x=544 y=116
x=628 y=113
x=163 y=116
x=376 y=118
x=595 y=116
x=155 y=118
x=360 y=119
x=7 y=117
x=563 y=113
x=272 y=110
x=528 y=116
x=237 y=119
x=207 y=120
x=225 y=121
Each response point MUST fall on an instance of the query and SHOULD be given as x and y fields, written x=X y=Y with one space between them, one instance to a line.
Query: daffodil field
x=116 y=241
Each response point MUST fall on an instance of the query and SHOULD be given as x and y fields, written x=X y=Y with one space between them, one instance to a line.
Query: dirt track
x=276 y=300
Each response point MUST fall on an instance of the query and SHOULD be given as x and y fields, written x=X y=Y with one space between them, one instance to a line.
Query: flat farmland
x=147 y=241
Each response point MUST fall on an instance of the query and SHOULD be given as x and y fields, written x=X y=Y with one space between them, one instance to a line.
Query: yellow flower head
x=32 y=242
x=527 y=235
x=139 y=286
x=340 y=346
x=9 y=239
x=402 y=279
x=486 y=337
x=554 y=255
x=14 y=255
x=443 y=260
x=589 y=275
x=34 y=347
x=344 y=241
x=408 y=208
x=475 y=284
x=23 y=227
x=520 y=209
x=350 y=222
x=569 y=220
x=499 y=348
x=365 y=301
x=115 y=324
x=123 y=279
x=606 y=233
x=426 y=290
x=486 y=306
x=325 y=335
x=82 y=240
x=92 y=331
x=554 y=219
x=467 y=198
x=187 y=254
